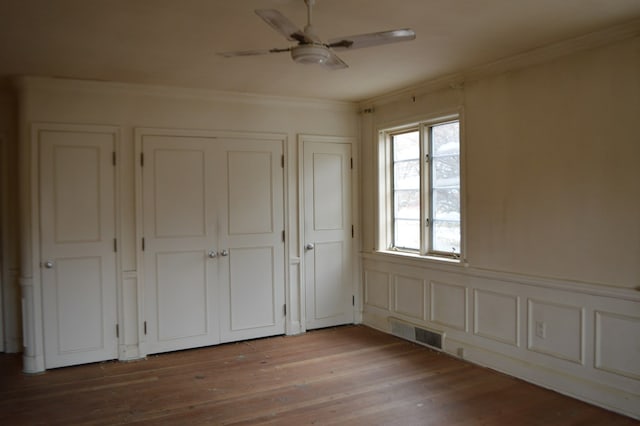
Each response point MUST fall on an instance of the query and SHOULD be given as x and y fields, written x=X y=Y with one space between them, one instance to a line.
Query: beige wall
x=552 y=174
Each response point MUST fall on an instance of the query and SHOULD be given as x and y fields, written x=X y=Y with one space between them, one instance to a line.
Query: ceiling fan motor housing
x=310 y=54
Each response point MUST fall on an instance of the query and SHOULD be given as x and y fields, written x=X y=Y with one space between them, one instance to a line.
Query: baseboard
x=594 y=393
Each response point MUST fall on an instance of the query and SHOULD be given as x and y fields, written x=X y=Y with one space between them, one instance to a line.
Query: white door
x=77 y=232
x=180 y=236
x=251 y=240
x=327 y=234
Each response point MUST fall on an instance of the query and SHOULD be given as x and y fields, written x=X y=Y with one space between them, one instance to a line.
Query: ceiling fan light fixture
x=310 y=54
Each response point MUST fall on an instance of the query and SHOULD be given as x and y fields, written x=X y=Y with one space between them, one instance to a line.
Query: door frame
x=139 y=134
x=30 y=275
x=355 y=216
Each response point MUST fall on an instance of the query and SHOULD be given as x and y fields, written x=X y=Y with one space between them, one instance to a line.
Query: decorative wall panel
x=496 y=316
x=556 y=330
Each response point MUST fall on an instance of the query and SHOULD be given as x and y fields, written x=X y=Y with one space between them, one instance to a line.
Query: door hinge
x=141 y=159
x=142 y=243
x=351 y=163
x=145 y=327
x=113 y=157
x=284 y=309
x=115 y=244
x=353 y=232
x=353 y=300
x=282 y=161
x=117 y=331
x=283 y=236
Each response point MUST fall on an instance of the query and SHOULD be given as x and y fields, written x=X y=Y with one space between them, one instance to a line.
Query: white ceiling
x=173 y=42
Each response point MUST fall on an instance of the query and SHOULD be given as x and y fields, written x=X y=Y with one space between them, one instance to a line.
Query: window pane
x=406 y=146
x=407 y=234
x=446 y=171
x=406 y=175
x=446 y=204
x=446 y=236
x=445 y=139
x=407 y=204
x=445 y=190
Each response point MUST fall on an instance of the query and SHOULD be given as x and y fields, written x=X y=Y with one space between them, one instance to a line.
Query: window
x=422 y=181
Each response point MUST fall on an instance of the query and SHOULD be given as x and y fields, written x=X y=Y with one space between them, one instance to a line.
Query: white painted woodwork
x=327 y=227
x=132 y=112
x=376 y=289
x=618 y=356
x=214 y=255
x=180 y=228
x=251 y=217
x=556 y=329
x=77 y=217
x=496 y=316
x=448 y=305
x=409 y=297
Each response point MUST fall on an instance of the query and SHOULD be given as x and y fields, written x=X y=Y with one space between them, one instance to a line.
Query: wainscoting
x=577 y=338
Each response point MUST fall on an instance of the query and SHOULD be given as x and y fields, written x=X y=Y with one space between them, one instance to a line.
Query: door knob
x=224 y=253
x=212 y=254
x=309 y=246
x=48 y=264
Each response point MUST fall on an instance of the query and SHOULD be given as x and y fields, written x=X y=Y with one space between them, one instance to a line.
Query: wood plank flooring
x=350 y=375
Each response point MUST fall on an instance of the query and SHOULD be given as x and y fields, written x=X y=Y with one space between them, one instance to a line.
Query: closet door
x=327 y=234
x=251 y=243
x=180 y=236
x=77 y=236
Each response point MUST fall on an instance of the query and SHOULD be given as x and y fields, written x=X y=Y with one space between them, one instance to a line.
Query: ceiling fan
x=310 y=48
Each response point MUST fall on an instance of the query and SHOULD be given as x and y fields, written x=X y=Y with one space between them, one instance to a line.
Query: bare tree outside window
x=425 y=189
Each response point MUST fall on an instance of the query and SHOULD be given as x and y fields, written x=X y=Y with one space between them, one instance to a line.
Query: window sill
x=412 y=256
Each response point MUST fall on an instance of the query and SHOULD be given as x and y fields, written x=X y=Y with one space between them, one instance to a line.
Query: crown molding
x=29 y=83
x=525 y=59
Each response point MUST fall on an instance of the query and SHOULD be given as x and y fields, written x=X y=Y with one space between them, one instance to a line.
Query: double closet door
x=213 y=249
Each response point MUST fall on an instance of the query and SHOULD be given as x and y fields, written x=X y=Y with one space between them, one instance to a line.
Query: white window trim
x=384 y=212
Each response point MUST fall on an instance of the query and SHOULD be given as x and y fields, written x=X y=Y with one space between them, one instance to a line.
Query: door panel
x=179 y=226
x=182 y=295
x=77 y=213
x=328 y=200
x=252 y=275
x=180 y=182
x=251 y=271
x=78 y=291
x=328 y=281
x=250 y=196
x=327 y=234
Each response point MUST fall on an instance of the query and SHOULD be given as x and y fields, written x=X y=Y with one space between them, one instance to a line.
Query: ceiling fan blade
x=371 y=39
x=253 y=52
x=334 y=62
x=282 y=24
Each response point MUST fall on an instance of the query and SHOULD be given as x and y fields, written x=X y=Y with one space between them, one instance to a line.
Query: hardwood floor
x=350 y=375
